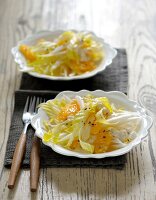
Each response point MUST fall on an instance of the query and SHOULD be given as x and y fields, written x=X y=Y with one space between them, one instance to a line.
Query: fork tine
x=32 y=105
x=26 y=105
x=38 y=101
x=41 y=100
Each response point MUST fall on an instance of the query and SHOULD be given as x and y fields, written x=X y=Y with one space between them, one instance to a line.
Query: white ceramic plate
x=117 y=98
x=109 y=52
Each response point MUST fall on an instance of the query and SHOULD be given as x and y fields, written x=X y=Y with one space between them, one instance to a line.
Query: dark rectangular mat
x=115 y=77
x=48 y=157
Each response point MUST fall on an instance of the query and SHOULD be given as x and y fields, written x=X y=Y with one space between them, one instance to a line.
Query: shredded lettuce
x=89 y=124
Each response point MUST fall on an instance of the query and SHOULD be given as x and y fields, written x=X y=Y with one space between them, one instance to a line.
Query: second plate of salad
x=63 y=55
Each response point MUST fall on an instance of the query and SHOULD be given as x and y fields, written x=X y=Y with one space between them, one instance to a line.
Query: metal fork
x=28 y=113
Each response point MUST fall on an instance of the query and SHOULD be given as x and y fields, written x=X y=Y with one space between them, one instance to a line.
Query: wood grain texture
x=17 y=160
x=129 y=24
x=35 y=164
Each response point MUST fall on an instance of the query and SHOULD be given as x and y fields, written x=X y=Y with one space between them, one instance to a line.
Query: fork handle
x=17 y=160
x=35 y=164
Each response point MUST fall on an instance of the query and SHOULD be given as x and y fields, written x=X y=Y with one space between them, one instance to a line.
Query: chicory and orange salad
x=89 y=124
x=70 y=54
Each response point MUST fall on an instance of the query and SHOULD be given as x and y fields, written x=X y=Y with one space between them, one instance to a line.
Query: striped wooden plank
x=129 y=24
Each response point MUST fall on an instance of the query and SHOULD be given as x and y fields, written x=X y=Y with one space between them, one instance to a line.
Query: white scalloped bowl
x=109 y=52
x=118 y=98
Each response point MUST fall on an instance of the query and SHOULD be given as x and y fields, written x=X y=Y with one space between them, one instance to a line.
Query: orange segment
x=102 y=141
x=26 y=51
x=96 y=127
x=75 y=144
x=103 y=138
x=87 y=66
x=69 y=109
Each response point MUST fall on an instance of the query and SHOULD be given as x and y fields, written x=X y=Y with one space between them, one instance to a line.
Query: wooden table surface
x=130 y=24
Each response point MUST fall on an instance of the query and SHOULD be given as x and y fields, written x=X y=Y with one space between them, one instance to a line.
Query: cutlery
x=21 y=144
x=35 y=158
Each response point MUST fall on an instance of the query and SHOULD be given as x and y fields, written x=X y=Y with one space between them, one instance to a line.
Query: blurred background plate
x=109 y=55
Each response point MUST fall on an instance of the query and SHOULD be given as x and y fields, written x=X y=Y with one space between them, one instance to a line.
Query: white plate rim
x=129 y=147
